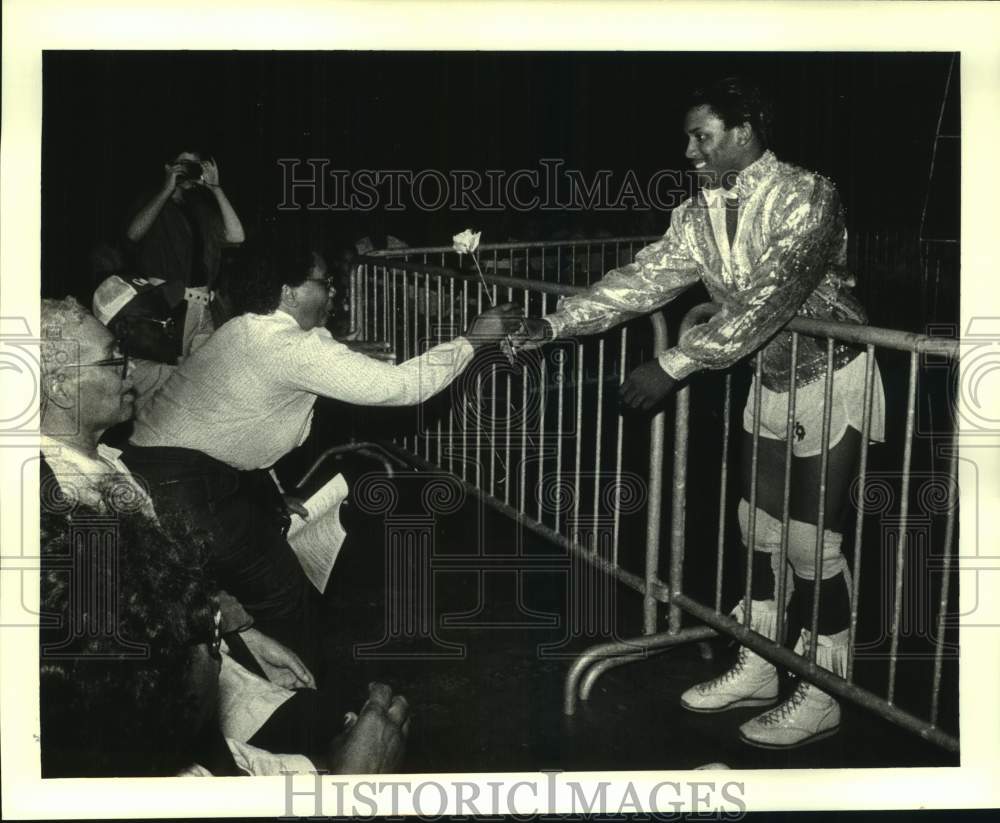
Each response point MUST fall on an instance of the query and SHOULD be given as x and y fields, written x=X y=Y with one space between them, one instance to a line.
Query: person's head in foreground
x=728 y=124
x=130 y=662
x=85 y=385
x=129 y=665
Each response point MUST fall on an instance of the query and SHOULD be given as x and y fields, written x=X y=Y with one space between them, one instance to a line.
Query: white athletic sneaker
x=752 y=681
x=807 y=716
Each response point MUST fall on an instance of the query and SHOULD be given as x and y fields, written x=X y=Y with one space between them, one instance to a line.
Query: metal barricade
x=598 y=659
x=576 y=262
x=538 y=440
x=543 y=424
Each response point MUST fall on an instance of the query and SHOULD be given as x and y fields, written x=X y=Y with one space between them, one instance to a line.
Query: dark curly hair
x=254 y=280
x=116 y=692
x=737 y=100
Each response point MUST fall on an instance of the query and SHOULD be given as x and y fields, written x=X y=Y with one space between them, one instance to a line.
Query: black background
x=111 y=119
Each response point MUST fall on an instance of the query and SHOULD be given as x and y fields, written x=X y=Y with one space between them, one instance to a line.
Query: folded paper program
x=316 y=541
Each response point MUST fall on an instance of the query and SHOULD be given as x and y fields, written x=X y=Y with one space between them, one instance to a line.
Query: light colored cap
x=116 y=292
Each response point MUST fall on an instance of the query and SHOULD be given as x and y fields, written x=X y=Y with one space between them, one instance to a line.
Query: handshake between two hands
x=506 y=323
x=644 y=389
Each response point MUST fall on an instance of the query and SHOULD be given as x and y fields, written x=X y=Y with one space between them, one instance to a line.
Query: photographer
x=179 y=232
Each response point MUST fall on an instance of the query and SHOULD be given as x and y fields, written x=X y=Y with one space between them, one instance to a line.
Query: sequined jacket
x=788 y=258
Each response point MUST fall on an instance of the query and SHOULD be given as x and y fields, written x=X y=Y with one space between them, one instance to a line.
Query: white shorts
x=848 y=409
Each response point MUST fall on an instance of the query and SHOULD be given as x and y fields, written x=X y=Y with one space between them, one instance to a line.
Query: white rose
x=466 y=242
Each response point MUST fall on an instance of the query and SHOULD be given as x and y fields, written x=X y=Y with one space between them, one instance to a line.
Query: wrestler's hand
x=646 y=386
x=280 y=664
x=493 y=325
x=374 y=741
x=533 y=333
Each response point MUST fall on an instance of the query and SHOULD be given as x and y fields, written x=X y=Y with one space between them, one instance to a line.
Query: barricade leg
x=608 y=655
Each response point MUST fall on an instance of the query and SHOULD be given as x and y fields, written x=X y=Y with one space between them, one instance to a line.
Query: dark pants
x=242 y=519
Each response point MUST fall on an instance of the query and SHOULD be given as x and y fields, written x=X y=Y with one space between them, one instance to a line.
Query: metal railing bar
x=758 y=386
x=427 y=338
x=513 y=246
x=616 y=528
x=560 y=408
x=866 y=428
x=781 y=583
x=578 y=454
x=451 y=406
x=440 y=339
x=855 y=333
x=598 y=659
x=597 y=434
x=904 y=511
x=949 y=535
x=655 y=500
x=723 y=488
x=362 y=447
x=824 y=465
x=479 y=428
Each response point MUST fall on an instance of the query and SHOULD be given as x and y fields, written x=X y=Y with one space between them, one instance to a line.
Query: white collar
x=279 y=315
x=718 y=196
x=106 y=454
x=283 y=317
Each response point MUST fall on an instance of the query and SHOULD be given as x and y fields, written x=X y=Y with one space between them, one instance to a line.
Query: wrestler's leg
x=810 y=714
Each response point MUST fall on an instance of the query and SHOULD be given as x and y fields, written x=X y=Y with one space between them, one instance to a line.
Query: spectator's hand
x=533 y=333
x=280 y=664
x=373 y=741
x=646 y=386
x=210 y=173
x=296 y=505
x=493 y=325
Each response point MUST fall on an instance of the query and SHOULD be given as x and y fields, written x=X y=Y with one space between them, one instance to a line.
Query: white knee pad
x=767 y=529
x=802 y=551
x=801 y=543
x=767 y=539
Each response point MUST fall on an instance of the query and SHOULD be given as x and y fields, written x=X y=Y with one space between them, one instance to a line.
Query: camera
x=190 y=170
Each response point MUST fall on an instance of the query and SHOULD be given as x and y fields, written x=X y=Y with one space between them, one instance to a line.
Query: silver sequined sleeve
x=661 y=271
x=805 y=229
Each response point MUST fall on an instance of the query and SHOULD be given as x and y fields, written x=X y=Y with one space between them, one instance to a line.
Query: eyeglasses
x=327 y=283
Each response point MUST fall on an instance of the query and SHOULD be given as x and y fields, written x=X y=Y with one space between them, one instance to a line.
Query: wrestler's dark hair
x=106 y=711
x=737 y=100
x=264 y=266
